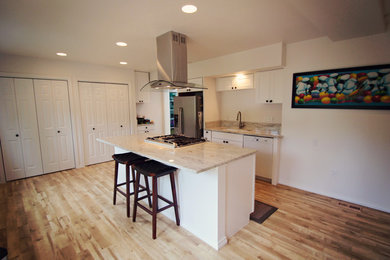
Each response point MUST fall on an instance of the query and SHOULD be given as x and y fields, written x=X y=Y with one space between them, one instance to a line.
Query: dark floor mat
x=262 y=212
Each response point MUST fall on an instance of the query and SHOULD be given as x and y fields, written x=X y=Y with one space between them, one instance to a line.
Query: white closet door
x=9 y=131
x=94 y=118
x=28 y=126
x=64 y=126
x=54 y=125
x=47 y=125
x=123 y=109
x=117 y=109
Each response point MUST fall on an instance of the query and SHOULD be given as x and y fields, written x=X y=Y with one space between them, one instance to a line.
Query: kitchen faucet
x=240 y=124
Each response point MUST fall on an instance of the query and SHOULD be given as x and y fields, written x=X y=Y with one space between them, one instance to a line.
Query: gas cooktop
x=174 y=141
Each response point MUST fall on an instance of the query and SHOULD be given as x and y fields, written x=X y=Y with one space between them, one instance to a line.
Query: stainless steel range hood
x=171 y=63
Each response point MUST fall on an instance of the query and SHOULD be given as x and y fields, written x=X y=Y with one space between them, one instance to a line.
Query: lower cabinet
x=145 y=129
x=264 y=154
x=227 y=138
x=267 y=151
x=207 y=135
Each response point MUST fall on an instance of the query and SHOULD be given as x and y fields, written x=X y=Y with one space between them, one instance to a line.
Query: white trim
x=2 y=172
x=223 y=241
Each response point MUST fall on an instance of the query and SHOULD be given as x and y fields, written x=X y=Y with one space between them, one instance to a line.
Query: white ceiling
x=88 y=29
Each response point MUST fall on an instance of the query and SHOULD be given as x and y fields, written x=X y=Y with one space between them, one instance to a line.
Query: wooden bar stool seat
x=155 y=170
x=129 y=160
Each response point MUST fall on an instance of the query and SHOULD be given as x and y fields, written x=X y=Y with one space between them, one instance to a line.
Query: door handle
x=93 y=128
x=121 y=125
x=58 y=131
x=17 y=135
x=181 y=117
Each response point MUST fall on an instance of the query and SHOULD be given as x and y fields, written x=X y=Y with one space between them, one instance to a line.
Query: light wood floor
x=69 y=215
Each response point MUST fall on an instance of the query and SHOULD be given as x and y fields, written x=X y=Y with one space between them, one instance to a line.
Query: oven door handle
x=181 y=119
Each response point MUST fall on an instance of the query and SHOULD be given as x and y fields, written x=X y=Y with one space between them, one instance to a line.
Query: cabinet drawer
x=263 y=140
x=145 y=127
x=229 y=136
x=207 y=135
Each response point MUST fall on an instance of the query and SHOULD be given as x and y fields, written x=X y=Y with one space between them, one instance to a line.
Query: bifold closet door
x=94 y=121
x=19 y=129
x=118 y=109
x=55 y=129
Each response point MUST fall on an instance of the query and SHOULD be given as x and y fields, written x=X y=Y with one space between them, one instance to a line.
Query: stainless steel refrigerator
x=188 y=116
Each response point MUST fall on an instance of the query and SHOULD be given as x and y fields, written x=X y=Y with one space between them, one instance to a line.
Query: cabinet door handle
x=17 y=135
x=270 y=101
x=266 y=101
x=93 y=128
x=227 y=142
x=58 y=131
x=121 y=125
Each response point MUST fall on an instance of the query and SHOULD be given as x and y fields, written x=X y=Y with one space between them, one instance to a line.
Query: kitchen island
x=215 y=184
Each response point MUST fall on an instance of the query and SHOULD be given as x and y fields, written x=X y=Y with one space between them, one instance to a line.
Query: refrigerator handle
x=181 y=125
x=200 y=116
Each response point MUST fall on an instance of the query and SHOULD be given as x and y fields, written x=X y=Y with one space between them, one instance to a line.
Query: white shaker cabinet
x=268 y=85
x=207 y=135
x=145 y=129
x=54 y=121
x=141 y=78
x=264 y=154
x=197 y=81
x=235 y=83
x=227 y=138
x=19 y=129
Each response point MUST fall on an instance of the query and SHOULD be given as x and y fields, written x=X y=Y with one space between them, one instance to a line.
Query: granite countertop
x=264 y=131
x=198 y=157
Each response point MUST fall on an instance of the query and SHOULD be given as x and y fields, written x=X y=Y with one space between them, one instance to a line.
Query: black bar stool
x=129 y=160
x=155 y=170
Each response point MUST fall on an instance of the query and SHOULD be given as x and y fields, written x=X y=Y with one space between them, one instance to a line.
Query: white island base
x=213 y=204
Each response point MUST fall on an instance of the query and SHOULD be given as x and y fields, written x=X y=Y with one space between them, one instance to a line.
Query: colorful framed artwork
x=349 y=88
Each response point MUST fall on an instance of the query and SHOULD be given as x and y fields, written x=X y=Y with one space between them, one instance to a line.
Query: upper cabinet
x=141 y=78
x=235 y=83
x=197 y=81
x=268 y=85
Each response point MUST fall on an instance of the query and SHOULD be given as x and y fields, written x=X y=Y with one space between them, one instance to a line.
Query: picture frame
x=366 y=87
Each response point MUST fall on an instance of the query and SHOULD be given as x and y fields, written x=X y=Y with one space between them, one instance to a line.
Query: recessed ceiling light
x=189 y=9
x=123 y=62
x=61 y=54
x=121 y=44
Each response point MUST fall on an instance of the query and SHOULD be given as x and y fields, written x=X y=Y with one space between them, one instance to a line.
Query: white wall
x=210 y=101
x=73 y=72
x=340 y=153
x=271 y=56
x=231 y=102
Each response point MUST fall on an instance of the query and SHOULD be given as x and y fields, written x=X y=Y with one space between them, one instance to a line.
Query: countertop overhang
x=198 y=157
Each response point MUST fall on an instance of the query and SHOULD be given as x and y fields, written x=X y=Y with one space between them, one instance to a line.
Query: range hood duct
x=171 y=63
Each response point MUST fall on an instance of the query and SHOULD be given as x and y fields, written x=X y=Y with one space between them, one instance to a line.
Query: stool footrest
x=143 y=188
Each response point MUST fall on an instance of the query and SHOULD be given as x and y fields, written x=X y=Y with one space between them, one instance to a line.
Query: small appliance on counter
x=143 y=120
